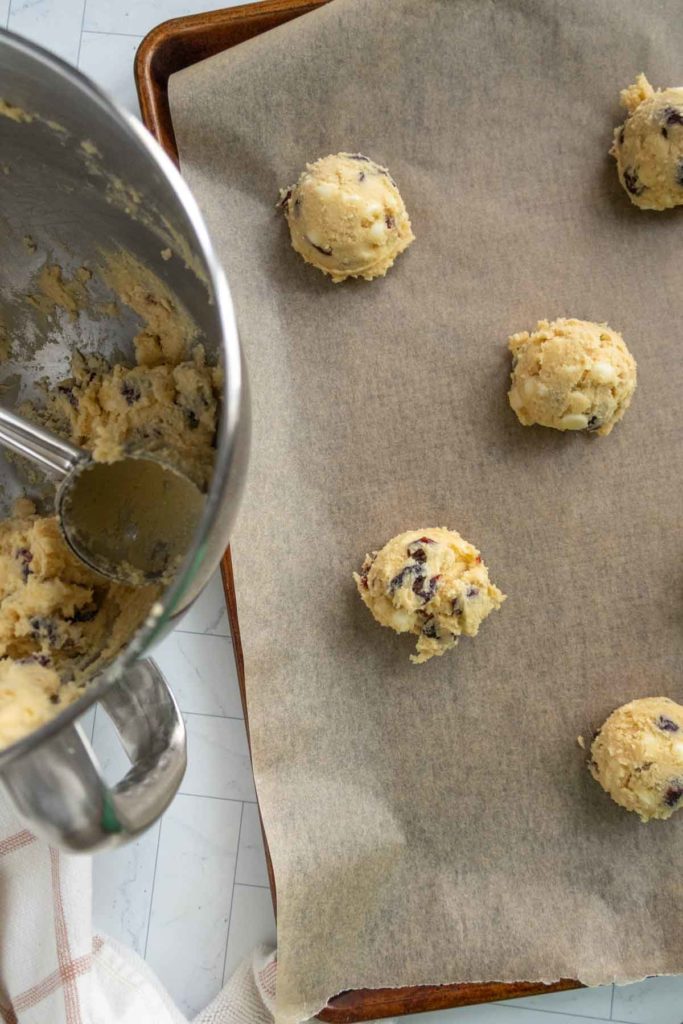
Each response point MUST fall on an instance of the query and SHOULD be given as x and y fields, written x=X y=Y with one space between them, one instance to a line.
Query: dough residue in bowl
x=60 y=622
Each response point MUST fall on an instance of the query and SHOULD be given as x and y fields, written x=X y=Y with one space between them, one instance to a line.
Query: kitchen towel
x=437 y=823
x=54 y=968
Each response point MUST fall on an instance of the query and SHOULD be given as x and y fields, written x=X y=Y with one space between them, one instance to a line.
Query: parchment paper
x=437 y=823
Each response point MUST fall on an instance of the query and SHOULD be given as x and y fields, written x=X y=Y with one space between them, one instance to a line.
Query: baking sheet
x=436 y=823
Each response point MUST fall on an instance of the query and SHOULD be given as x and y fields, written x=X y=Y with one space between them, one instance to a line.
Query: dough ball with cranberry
x=346 y=217
x=648 y=146
x=431 y=583
x=571 y=375
x=637 y=757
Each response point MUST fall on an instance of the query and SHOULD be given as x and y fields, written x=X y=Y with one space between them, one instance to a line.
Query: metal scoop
x=132 y=520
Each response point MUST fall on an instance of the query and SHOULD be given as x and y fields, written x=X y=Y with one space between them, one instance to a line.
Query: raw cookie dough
x=637 y=757
x=571 y=375
x=168 y=409
x=56 y=618
x=60 y=622
x=431 y=583
x=648 y=146
x=346 y=217
x=30 y=695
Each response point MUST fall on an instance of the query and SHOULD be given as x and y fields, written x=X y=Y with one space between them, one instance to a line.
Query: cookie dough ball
x=648 y=146
x=571 y=375
x=637 y=757
x=431 y=583
x=346 y=217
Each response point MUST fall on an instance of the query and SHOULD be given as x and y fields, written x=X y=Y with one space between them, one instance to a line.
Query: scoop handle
x=41 y=446
x=58 y=787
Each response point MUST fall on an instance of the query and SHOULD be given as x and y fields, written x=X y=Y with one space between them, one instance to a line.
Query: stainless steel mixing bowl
x=79 y=176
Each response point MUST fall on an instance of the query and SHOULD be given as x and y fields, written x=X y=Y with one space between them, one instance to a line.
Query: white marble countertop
x=191 y=895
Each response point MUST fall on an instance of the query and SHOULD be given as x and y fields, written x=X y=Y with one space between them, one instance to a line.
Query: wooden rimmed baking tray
x=168 y=48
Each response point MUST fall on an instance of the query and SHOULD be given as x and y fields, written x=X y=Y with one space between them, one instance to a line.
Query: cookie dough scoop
x=637 y=757
x=648 y=146
x=431 y=583
x=571 y=375
x=346 y=217
x=131 y=520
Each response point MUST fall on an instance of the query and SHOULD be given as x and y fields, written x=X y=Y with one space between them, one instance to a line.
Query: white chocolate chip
x=515 y=400
x=373 y=208
x=603 y=373
x=401 y=619
x=533 y=387
x=314 y=238
x=573 y=421
x=579 y=402
x=325 y=189
x=378 y=231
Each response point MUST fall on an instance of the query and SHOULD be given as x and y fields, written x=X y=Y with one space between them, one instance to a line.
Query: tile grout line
x=611 y=1003
x=101 y=32
x=151 y=894
x=210 y=796
x=232 y=897
x=253 y=885
x=92 y=730
x=80 y=34
x=556 y=1013
x=210 y=714
x=194 y=632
